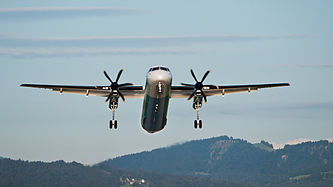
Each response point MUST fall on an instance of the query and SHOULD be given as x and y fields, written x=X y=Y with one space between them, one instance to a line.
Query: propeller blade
x=204 y=96
x=194 y=77
x=107 y=99
x=118 y=76
x=107 y=76
x=185 y=84
x=121 y=95
x=193 y=93
x=204 y=77
x=125 y=84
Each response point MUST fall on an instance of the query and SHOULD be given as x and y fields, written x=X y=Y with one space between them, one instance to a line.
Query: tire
x=111 y=124
x=195 y=124
x=200 y=124
x=115 y=124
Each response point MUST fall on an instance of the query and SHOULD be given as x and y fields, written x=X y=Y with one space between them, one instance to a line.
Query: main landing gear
x=114 y=96
x=197 y=104
x=198 y=94
x=113 y=106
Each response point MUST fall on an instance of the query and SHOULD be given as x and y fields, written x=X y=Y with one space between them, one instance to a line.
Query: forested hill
x=23 y=173
x=237 y=160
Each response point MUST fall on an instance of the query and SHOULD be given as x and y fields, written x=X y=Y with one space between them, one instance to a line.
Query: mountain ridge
x=60 y=173
x=236 y=160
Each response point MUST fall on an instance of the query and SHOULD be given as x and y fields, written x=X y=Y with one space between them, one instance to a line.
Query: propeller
x=115 y=86
x=198 y=85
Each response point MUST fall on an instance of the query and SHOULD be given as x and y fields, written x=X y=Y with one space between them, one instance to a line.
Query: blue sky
x=241 y=42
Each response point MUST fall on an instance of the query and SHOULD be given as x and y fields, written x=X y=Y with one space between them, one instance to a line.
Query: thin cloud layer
x=328 y=65
x=315 y=65
x=132 y=41
x=79 y=52
x=297 y=141
x=37 y=13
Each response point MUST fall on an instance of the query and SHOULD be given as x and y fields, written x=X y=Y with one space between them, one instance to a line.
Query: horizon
x=275 y=147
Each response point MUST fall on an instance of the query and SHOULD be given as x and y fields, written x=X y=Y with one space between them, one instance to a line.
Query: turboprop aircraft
x=156 y=93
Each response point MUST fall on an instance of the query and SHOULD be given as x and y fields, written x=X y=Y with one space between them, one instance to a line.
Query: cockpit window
x=164 y=68
x=158 y=68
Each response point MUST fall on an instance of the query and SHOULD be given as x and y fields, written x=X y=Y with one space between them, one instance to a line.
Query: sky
x=240 y=41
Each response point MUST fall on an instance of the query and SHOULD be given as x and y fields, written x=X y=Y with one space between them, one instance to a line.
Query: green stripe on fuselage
x=153 y=119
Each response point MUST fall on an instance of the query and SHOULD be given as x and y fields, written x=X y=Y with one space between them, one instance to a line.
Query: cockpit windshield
x=158 y=68
x=155 y=68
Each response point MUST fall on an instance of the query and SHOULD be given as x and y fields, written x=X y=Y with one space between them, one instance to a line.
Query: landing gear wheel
x=113 y=123
x=197 y=123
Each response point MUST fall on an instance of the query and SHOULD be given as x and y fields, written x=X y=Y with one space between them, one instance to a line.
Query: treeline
x=24 y=173
x=237 y=160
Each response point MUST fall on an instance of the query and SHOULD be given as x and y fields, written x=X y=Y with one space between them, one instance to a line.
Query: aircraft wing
x=138 y=91
x=102 y=91
x=210 y=90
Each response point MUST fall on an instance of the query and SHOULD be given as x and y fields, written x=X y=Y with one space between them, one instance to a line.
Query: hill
x=237 y=160
x=60 y=173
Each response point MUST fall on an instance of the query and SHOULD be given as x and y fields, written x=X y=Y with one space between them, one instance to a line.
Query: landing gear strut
x=113 y=106
x=197 y=104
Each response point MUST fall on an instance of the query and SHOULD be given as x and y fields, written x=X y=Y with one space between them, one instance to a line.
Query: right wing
x=102 y=91
x=210 y=90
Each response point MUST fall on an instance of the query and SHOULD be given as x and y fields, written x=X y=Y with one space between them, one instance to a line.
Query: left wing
x=102 y=91
x=210 y=90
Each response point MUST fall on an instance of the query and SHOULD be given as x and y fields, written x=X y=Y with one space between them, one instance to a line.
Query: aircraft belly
x=155 y=108
x=154 y=114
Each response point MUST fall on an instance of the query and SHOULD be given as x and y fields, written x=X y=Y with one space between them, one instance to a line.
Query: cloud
x=297 y=141
x=16 y=46
x=61 y=12
x=315 y=65
x=132 y=41
x=79 y=52
x=311 y=106
x=328 y=65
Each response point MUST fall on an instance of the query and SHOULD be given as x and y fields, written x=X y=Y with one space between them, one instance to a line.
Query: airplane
x=157 y=92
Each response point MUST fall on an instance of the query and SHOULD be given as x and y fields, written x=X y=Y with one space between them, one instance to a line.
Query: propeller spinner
x=115 y=86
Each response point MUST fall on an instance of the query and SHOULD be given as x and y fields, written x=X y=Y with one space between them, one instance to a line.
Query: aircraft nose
x=160 y=76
